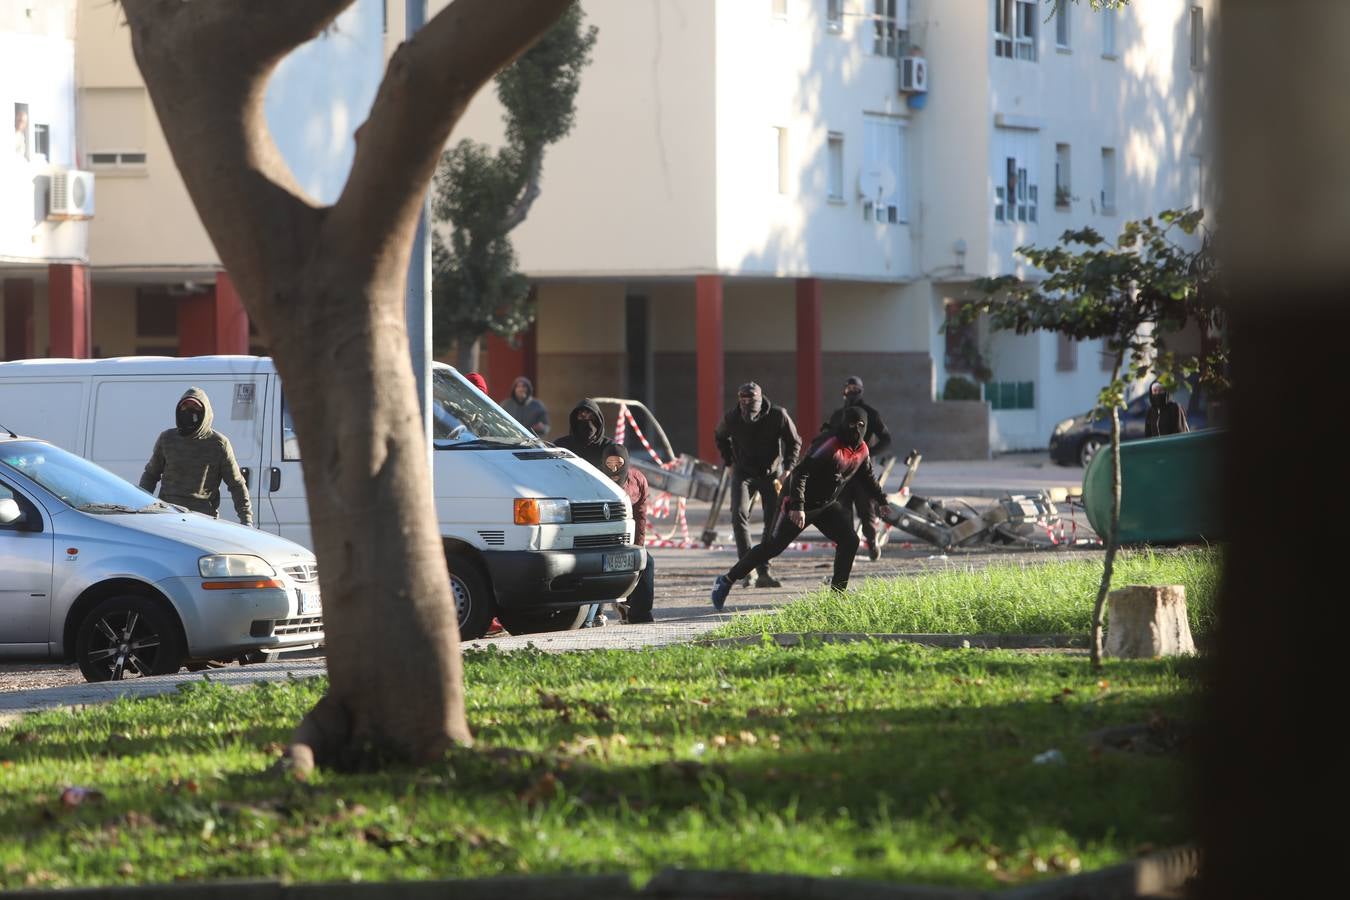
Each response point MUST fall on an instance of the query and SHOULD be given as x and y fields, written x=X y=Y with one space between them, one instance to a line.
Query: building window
x=42 y=142
x=779 y=149
x=1063 y=193
x=1108 y=180
x=884 y=170
x=1015 y=29
x=835 y=148
x=21 y=130
x=1010 y=394
x=1062 y=25
x=778 y=8
x=834 y=15
x=1197 y=38
x=1197 y=179
x=1066 y=353
x=108 y=159
x=1108 y=17
x=886 y=39
x=1017 y=199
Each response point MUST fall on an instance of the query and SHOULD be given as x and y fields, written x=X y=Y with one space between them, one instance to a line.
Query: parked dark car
x=1075 y=441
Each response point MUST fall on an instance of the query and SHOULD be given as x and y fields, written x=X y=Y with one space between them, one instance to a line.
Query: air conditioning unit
x=71 y=195
x=913 y=74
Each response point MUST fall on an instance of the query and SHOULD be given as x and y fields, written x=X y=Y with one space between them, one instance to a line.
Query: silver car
x=95 y=570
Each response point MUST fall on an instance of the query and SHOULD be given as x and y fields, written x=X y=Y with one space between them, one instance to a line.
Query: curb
x=948 y=641
x=1159 y=873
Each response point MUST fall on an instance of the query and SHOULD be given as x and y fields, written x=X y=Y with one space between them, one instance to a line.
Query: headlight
x=1064 y=426
x=232 y=565
x=529 y=511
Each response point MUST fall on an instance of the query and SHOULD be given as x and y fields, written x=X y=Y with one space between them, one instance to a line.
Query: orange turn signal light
x=527 y=511
x=250 y=584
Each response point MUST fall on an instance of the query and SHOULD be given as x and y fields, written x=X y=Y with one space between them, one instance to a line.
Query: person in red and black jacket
x=812 y=498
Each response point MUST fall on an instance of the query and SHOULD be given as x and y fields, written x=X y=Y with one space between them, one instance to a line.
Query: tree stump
x=1145 y=621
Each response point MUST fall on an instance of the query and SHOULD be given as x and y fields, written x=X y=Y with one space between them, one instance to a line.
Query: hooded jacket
x=190 y=467
x=762 y=446
x=878 y=438
x=533 y=414
x=1165 y=416
x=597 y=447
x=830 y=464
x=634 y=484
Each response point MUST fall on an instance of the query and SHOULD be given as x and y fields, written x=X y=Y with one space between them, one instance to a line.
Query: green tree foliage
x=482 y=194
x=1130 y=294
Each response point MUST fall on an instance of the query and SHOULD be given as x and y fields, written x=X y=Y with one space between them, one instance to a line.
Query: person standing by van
x=586 y=435
x=191 y=460
x=526 y=408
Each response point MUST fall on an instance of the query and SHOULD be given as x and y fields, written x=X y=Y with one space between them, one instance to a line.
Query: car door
x=283 y=510
x=25 y=578
x=236 y=402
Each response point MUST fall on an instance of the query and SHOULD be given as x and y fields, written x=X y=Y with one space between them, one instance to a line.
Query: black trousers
x=743 y=488
x=834 y=521
x=864 y=507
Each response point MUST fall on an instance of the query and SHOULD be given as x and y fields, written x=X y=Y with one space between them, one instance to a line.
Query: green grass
x=865 y=760
x=1040 y=598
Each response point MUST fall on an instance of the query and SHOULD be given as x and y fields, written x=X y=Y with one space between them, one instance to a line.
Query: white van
x=535 y=565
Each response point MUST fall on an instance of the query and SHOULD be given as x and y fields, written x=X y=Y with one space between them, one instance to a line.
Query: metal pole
x=418 y=303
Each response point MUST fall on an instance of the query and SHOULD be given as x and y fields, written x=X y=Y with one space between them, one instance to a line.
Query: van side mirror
x=9 y=512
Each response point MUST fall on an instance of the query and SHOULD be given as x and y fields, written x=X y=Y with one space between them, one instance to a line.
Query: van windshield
x=462 y=419
x=77 y=482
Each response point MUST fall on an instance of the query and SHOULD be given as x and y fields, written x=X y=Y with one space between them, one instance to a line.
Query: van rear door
x=131 y=411
x=283 y=510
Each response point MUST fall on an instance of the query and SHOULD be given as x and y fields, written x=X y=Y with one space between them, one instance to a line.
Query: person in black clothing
x=811 y=497
x=878 y=441
x=1165 y=415
x=759 y=444
x=586 y=435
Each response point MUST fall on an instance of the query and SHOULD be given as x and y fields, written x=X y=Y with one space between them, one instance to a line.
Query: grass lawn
x=1036 y=598
x=865 y=760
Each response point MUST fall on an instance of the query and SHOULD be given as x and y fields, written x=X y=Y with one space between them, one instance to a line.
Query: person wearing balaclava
x=1165 y=415
x=191 y=460
x=526 y=408
x=636 y=609
x=811 y=497
x=586 y=435
x=878 y=440
x=759 y=444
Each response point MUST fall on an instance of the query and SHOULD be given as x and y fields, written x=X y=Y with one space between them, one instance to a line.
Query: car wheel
x=536 y=621
x=128 y=637
x=475 y=606
x=1088 y=449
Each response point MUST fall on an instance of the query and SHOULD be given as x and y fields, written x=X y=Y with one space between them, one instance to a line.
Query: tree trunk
x=467 y=354
x=1114 y=529
x=326 y=287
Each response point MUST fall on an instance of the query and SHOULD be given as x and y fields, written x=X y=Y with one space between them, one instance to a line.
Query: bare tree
x=325 y=285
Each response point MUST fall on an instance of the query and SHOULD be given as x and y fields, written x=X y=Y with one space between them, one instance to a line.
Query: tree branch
x=521 y=208
x=426 y=88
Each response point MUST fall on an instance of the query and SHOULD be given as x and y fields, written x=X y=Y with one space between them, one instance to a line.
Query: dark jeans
x=743 y=487
x=639 y=601
x=834 y=521
x=864 y=507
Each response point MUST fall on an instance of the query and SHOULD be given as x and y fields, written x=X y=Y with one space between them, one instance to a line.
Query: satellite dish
x=869 y=184
x=887 y=180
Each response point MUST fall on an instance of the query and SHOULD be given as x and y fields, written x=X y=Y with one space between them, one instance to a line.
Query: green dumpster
x=1170 y=489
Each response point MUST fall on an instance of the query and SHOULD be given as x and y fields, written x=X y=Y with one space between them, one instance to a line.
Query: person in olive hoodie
x=812 y=497
x=586 y=435
x=759 y=444
x=190 y=461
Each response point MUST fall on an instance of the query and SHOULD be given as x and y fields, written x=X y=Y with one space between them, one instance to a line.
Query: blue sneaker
x=721 y=587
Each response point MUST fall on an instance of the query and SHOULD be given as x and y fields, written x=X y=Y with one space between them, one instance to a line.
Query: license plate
x=310 y=604
x=621 y=562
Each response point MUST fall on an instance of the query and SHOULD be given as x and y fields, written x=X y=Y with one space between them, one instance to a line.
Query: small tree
x=1131 y=295
x=484 y=195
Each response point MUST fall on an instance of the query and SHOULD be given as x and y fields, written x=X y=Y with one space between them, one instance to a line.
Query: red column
x=708 y=334
x=506 y=363
x=808 y=356
x=197 y=325
x=230 y=318
x=19 y=318
x=68 y=310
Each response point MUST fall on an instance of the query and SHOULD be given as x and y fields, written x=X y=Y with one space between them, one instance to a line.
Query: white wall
x=37 y=68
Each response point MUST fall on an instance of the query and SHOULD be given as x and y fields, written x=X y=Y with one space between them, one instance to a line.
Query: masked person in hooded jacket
x=586 y=435
x=190 y=461
x=811 y=497
x=878 y=440
x=1165 y=415
x=636 y=609
x=525 y=408
x=759 y=444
